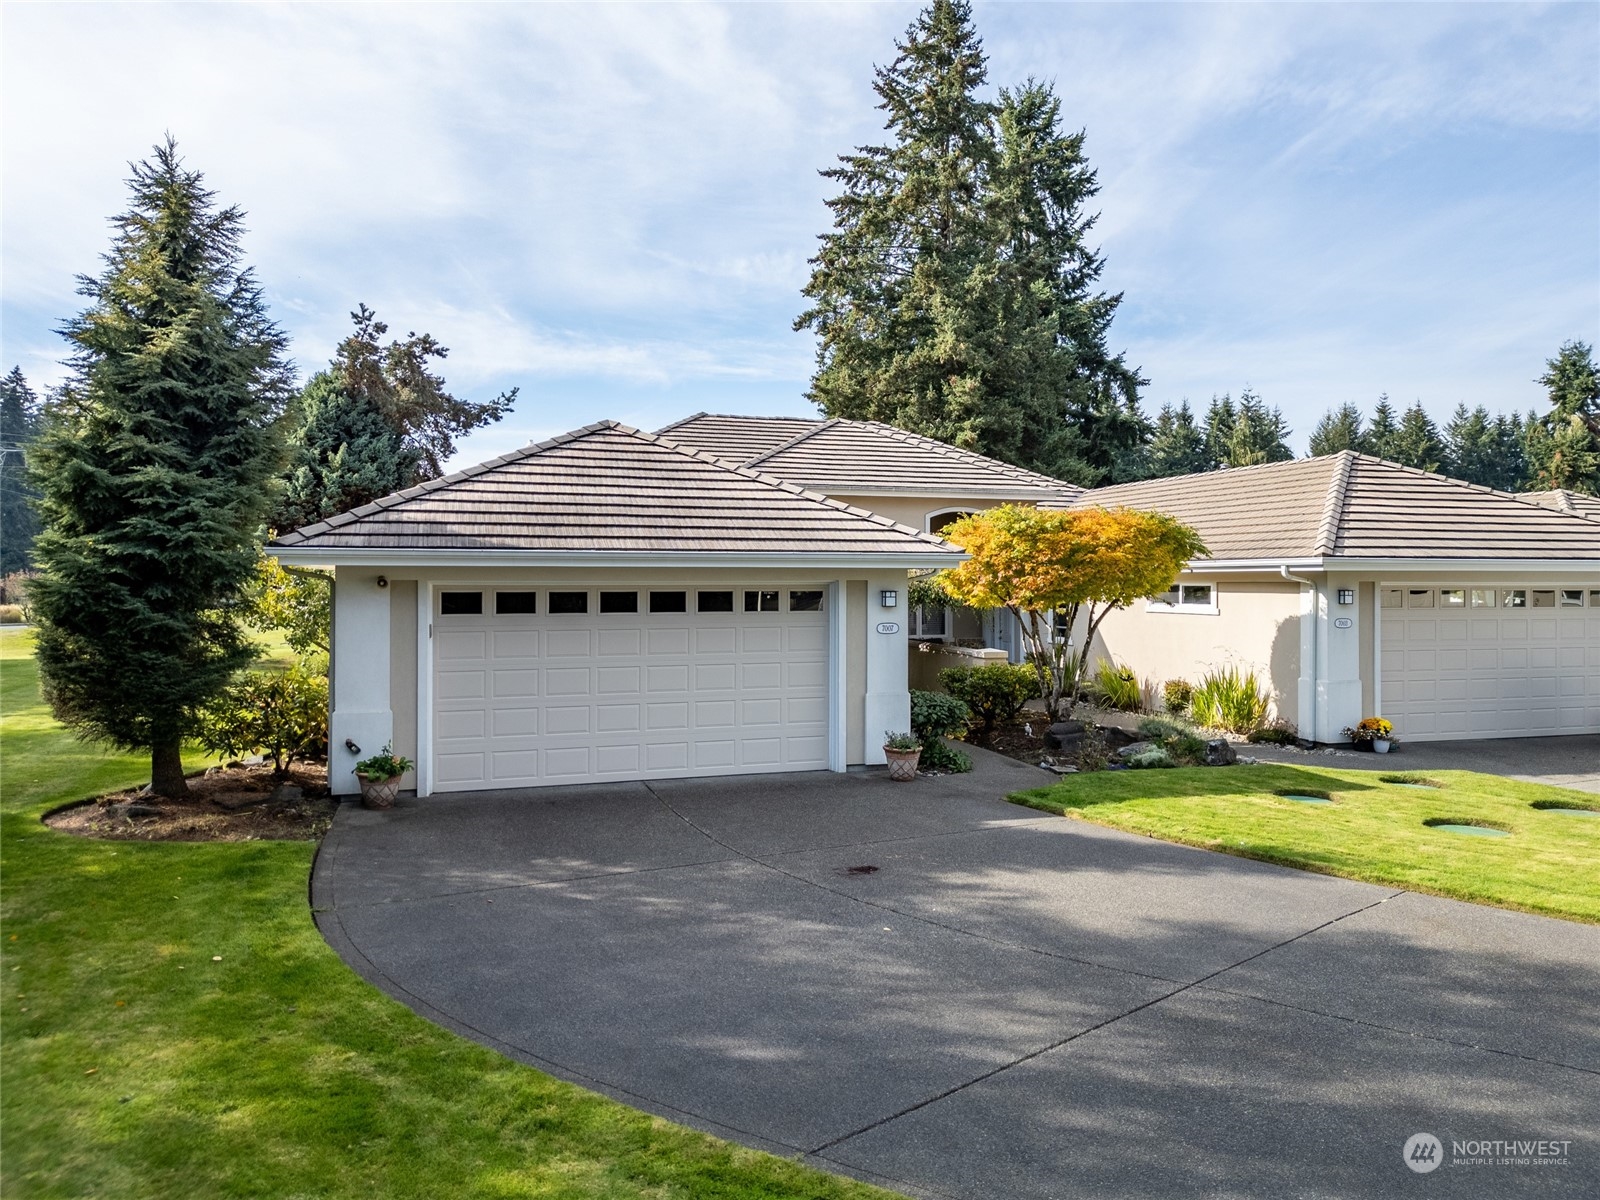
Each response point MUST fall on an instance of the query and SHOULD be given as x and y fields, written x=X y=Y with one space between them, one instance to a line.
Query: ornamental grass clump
x=1230 y=699
x=1118 y=687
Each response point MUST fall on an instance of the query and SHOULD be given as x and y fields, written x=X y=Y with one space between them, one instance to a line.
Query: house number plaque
x=888 y=627
x=1342 y=622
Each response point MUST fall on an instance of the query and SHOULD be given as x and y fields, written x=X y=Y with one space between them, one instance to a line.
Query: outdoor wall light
x=888 y=598
x=1347 y=595
x=383 y=581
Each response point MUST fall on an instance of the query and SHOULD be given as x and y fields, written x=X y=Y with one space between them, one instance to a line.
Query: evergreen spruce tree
x=1219 y=430
x=1260 y=434
x=155 y=464
x=954 y=294
x=343 y=454
x=19 y=422
x=377 y=420
x=1341 y=428
x=1178 y=446
x=1510 y=434
x=1382 y=430
x=1563 y=445
x=1417 y=443
x=1473 y=450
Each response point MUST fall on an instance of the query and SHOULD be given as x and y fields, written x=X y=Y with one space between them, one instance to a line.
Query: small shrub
x=1230 y=699
x=14 y=588
x=1279 y=733
x=994 y=692
x=1118 y=687
x=1181 y=743
x=935 y=716
x=284 y=714
x=900 y=741
x=1154 y=757
x=11 y=614
x=1176 y=694
x=1093 y=753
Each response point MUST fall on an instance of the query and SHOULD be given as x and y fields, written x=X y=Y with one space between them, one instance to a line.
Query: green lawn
x=137 y=1064
x=1373 y=830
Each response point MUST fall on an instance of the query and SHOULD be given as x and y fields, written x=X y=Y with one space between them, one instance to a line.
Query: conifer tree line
x=956 y=295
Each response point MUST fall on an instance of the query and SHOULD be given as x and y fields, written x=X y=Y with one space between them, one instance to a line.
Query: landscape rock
x=1219 y=753
x=1134 y=749
x=286 y=792
x=1064 y=735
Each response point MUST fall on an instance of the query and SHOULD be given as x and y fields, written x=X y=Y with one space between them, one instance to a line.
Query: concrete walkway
x=926 y=987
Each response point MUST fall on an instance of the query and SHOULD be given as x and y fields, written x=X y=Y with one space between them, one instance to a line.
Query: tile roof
x=736 y=438
x=1349 y=505
x=1564 y=500
x=868 y=457
x=608 y=487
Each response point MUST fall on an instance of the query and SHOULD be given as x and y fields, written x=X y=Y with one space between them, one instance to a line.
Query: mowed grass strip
x=1373 y=830
x=174 y=1025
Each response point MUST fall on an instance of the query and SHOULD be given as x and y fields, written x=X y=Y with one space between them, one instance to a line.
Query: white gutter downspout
x=1308 y=654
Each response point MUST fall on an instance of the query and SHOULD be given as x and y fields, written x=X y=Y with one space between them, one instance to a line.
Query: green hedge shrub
x=935 y=716
x=280 y=713
x=994 y=692
x=1176 y=695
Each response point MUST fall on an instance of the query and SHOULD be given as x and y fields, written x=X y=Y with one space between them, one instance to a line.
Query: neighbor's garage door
x=544 y=686
x=1476 y=662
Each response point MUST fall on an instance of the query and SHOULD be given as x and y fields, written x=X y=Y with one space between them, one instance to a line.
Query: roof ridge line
x=1021 y=474
x=1333 y=504
x=683 y=421
x=794 y=489
x=825 y=423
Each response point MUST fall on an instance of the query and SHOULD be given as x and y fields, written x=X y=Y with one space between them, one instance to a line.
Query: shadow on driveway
x=1010 y=1004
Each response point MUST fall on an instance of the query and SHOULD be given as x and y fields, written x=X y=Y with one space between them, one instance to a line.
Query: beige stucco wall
x=1257 y=625
x=855 y=681
x=403 y=671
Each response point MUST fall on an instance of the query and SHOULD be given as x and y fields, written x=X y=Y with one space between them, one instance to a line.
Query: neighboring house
x=913 y=480
x=1359 y=587
x=1565 y=500
x=610 y=605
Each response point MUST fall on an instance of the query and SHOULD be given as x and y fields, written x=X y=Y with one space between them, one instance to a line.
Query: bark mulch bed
x=236 y=803
x=1023 y=738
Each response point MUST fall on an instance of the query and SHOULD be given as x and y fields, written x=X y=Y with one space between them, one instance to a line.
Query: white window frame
x=930 y=518
x=919 y=630
x=1154 y=604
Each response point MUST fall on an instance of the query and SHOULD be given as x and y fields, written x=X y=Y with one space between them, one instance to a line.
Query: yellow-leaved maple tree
x=1073 y=565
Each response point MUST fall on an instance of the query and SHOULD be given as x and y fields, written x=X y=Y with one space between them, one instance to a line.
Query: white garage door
x=1473 y=662
x=545 y=685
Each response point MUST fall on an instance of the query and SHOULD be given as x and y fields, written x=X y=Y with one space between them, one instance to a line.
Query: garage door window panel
x=516 y=604
x=460 y=604
x=568 y=603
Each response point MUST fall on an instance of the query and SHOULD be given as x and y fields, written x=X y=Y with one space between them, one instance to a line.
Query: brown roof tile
x=738 y=439
x=866 y=457
x=1353 y=506
x=608 y=487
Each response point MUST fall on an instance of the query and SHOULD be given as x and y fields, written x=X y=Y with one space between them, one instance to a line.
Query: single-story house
x=728 y=595
x=611 y=605
x=1358 y=587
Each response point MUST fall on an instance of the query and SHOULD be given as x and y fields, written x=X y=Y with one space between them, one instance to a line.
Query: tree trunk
x=166 y=769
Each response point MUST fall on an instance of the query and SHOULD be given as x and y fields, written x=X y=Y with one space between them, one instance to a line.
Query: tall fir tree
x=1259 y=435
x=1563 y=444
x=155 y=465
x=1416 y=442
x=1484 y=449
x=1382 y=429
x=1341 y=428
x=954 y=295
x=19 y=423
x=1178 y=446
x=343 y=454
x=1220 y=417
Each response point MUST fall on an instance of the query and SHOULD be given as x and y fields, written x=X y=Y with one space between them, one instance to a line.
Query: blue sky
x=611 y=206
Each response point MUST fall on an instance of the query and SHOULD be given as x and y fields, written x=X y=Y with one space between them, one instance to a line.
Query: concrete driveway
x=1008 y=1005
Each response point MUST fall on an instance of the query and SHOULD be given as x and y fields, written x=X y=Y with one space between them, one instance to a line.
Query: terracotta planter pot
x=902 y=764
x=379 y=793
